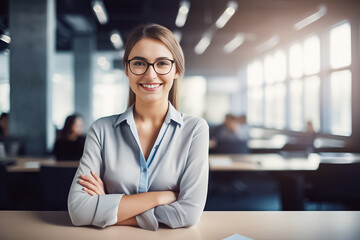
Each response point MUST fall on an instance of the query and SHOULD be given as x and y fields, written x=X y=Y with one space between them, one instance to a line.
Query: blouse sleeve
x=99 y=210
x=187 y=210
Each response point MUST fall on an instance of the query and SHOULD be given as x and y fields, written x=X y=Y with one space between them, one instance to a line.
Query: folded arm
x=89 y=205
x=130 y=205
x=187 y=210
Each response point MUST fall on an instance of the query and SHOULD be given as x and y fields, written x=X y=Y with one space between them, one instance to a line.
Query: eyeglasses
x=161 y=67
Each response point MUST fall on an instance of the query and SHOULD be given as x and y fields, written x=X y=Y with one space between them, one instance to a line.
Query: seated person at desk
x=4 y=124
x=303 y=142
x=148 y=165
x=70 y=142
x=13 y=145
x=231 y=136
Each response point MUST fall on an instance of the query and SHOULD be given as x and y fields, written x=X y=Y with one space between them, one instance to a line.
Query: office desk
x=290 y=172
x=24 y=181
x=33 y=164
x=213 y=225
x=262 y=162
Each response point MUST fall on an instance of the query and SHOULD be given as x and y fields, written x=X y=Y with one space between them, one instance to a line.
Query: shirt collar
x=126 y=116
x=172 y=114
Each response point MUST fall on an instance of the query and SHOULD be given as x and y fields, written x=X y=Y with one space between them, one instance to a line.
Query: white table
x=213 y=225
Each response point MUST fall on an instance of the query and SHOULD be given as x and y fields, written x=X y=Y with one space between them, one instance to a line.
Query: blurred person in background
x=4 y=125
x=231 y=136
x=242 y=129
x=69 y=144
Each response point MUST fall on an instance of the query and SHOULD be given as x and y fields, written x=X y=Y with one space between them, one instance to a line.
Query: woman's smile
x=151 y=87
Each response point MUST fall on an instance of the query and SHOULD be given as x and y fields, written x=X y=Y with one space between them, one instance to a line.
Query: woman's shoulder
x=194 y=122
x=105 y=122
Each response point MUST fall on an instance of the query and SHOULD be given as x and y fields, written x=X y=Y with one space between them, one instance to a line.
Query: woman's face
x=151 y=87
x=77 y=127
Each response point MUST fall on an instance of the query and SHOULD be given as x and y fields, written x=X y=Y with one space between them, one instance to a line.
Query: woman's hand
x=166 y=197
x=93 y=185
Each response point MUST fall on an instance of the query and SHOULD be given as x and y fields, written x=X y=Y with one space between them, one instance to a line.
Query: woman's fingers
x=92 y=183
x=97 y=178
x=91 y=193
x=89 y=179
x=99 y=182
x=88 y=185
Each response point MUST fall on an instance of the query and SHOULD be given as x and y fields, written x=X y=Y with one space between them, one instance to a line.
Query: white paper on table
x=32 y=164
x=220 y=162
x=236 y=236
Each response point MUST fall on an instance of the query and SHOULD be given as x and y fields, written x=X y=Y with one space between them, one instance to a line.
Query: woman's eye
x=163 y=63
x=139 y=63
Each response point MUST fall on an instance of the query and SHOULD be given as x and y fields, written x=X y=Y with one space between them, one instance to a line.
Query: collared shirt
x=177 y=162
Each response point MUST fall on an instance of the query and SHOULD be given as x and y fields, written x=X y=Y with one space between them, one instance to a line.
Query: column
x=32 y=30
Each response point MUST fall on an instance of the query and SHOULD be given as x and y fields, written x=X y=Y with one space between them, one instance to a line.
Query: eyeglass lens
x=141 y=66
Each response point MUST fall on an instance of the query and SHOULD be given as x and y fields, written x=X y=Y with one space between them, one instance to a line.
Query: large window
x=4 y=83
x=275 y=90
x=308 y=83
x=111 y=92
x=340 y=46
x=340 y=85
x=304 y=70
x=296 y=110
x=340 y=79
x=62 y=88
x=255 y=79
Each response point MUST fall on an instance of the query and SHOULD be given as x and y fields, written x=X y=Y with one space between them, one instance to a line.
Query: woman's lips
x=150 y=86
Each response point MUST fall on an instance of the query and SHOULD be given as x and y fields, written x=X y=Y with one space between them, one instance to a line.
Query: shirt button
x=144 y=170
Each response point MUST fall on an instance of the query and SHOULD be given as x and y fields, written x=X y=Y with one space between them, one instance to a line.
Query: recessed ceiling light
x=227 y=14
x=182 y=13
x=322 y=9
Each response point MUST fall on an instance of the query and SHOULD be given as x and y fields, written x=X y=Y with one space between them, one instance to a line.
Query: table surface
x=262 y=162
x=32 y=164
x=213 y=225
x=223 y=162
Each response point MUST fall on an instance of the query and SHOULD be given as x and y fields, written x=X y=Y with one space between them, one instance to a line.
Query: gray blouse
x=178 y=162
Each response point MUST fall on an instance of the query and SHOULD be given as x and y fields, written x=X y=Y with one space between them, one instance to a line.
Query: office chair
x=231 y=147
x=3 y=187
x=55 y=186
x=336 y=183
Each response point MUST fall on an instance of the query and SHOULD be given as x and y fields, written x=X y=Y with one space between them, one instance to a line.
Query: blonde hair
x=161 y=33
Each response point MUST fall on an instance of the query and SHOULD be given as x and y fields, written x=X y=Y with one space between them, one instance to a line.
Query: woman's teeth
x=150 y=86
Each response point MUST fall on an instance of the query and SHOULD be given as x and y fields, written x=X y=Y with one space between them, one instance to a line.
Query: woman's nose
x=151 y=72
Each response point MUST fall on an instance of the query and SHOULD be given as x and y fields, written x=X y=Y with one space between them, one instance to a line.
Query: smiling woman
x=148 y=165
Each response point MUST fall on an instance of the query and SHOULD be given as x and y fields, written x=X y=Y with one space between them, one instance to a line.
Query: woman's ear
x=126 y=71
x=177 y=75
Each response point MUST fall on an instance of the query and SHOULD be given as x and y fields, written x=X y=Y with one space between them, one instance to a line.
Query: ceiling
x=258 y=19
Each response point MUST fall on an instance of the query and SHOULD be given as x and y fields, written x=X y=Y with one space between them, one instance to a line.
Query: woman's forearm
x=128 y=222
x=132 y=205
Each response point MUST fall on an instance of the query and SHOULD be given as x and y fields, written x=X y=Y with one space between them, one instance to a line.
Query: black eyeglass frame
x=151 y=64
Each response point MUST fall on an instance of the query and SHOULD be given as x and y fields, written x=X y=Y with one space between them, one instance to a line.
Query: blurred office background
x=281 y=63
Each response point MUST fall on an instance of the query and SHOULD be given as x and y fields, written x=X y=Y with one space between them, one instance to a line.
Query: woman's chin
x=151 y=99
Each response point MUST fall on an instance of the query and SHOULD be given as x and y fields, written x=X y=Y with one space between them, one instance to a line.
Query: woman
x=70 y=142
x=148 y=165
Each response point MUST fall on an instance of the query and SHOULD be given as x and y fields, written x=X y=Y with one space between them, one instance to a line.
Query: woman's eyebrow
x=144 y=59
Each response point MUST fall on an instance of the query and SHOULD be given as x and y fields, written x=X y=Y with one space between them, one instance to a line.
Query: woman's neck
x=153 y=112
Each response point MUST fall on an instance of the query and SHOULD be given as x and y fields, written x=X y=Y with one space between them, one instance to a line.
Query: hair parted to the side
x=69 y=122
x=161 y=33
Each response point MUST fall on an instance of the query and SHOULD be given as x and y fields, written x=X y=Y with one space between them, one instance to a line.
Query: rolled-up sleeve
x=187 y=210
x=100 y=210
